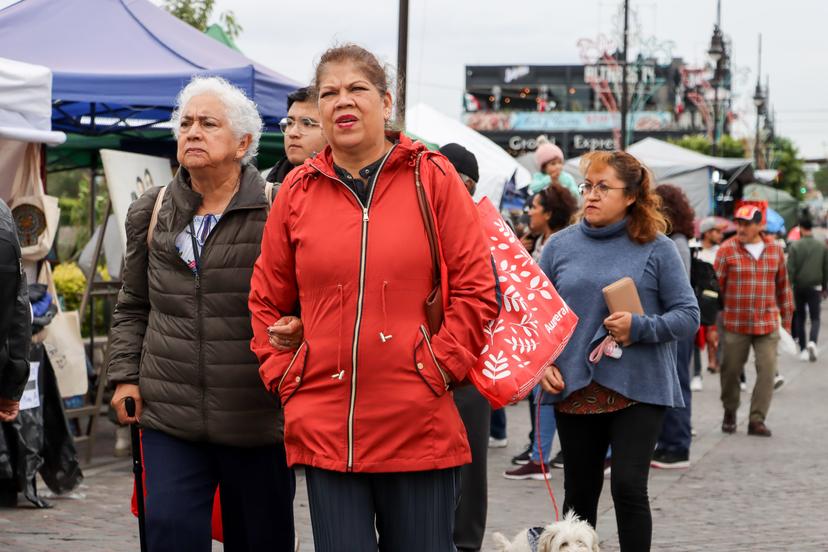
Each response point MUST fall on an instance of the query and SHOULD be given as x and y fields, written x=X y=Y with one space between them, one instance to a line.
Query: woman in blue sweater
x=617 y=402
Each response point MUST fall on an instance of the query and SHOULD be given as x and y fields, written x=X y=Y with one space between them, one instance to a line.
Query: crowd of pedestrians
x=326 y=317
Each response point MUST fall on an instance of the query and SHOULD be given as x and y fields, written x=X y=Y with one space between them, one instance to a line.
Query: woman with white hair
x=181 y=333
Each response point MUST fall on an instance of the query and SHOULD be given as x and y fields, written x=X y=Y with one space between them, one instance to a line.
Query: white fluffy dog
x=571 y=534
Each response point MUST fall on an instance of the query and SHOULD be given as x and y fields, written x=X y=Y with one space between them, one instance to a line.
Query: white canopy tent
x=26 y=103
x=496 y=166
x=687 y=169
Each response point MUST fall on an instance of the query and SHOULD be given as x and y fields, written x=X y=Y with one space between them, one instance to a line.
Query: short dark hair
x=805 y=223
x=299 y=95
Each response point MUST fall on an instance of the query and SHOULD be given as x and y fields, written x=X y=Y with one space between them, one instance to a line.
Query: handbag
x=434 y=300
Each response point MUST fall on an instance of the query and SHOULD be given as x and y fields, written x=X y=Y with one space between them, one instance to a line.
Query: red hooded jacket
x=367 y=391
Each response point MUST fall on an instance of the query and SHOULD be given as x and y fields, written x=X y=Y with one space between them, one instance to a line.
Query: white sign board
x=128 y=176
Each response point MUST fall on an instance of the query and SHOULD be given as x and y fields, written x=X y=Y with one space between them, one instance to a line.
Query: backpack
x=706 y=287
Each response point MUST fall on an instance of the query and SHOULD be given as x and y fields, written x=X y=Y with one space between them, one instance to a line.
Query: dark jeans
x=257 y=491
x=411 y=511
x=585 y=438
x=675 y=433
x=807 y=301
x=498 y=426
x=470 y=516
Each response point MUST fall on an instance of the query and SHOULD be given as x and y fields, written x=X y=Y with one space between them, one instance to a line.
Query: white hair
x=241 y=111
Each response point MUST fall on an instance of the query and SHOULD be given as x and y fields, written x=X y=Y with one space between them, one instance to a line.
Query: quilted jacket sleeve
x=468 y=270
x=129 y=321
x=15 y=373
x=274 y=291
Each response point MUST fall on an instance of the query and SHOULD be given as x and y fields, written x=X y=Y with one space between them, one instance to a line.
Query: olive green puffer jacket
x=186 y=340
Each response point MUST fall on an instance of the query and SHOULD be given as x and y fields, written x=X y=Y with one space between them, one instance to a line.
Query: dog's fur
x=571 y=534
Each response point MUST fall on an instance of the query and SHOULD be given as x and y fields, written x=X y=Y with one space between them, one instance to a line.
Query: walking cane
x=138 y=470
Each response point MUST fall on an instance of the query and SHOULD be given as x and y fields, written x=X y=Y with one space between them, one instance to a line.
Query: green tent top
x=218 y=33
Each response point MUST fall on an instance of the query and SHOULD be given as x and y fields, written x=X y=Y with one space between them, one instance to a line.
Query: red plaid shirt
x=755 y=292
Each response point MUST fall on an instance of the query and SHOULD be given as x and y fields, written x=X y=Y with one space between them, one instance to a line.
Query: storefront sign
x=612 y=74
x=555 y=121
x=512 y=74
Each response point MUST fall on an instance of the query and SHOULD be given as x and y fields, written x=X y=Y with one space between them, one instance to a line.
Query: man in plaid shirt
x=754 y=280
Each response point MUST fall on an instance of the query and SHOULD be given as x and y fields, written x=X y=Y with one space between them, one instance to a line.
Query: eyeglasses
x=602 y=189
x=306 y=124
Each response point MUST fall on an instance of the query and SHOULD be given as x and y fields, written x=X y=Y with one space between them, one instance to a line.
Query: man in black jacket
x=470 y=515
x=15 y=319
x=303 y=134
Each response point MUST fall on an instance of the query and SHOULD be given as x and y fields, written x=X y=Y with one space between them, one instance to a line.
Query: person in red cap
x=753 y=277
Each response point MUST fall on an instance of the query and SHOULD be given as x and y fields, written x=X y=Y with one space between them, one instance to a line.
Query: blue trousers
x=257 y=491
x=675 y=433
x=545 y=426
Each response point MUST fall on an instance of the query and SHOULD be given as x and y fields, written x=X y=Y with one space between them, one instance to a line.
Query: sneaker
x=804 y=356
x=696 y=384
x=693 y=432
x=523 y=458
x=123 y=441
x=530 y=470
x=742 y=386
x=498 y=443
x=557 y=461
x=670 y=460
x=778 y=381
x=812 y=351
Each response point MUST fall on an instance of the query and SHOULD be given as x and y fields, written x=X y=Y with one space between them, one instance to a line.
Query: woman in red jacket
x=367 y=395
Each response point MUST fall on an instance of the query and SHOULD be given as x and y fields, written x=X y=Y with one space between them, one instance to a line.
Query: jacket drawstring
x=385 y=338
x=340 y=373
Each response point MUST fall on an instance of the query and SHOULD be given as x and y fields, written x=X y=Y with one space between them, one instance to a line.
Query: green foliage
x=72 y=190
x=70 y=284
x=821 y=180
x=197 y=13
x=728 y=145
x=784 y=157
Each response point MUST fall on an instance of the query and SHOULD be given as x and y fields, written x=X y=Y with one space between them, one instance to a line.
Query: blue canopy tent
x=118 y=64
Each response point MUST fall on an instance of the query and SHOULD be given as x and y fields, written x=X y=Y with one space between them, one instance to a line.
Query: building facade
x=576 y=106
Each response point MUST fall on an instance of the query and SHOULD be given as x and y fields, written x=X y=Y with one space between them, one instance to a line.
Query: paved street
x=740 y=494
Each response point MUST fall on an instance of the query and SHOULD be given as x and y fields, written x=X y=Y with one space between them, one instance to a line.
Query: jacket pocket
x=426 y=365
x=291 y=380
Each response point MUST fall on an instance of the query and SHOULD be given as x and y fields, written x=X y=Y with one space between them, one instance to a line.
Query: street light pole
x=402 y=62
x=624 y=91
x=759 y=101
x=718 y=54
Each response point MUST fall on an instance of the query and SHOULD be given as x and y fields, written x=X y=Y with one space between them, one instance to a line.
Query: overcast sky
x=288 y=36
x=444 y=35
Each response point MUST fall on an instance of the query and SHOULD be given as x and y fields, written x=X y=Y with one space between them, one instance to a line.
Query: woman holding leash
x=617 y=400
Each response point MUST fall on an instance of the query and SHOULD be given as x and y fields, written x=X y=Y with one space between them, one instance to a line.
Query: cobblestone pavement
x=740 y=494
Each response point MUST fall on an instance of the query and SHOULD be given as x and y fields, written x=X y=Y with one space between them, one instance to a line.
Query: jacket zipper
x=446 y=380
x=360 y=297
x=199 y=319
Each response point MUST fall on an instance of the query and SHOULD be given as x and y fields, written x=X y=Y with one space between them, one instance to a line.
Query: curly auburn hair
x=560 y=203
x=646 y=220
x=676 y=209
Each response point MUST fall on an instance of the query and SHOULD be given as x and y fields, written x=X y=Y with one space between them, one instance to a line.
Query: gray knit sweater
x=580 y=261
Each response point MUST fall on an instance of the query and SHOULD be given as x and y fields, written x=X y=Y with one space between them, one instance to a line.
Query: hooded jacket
x=369 y=388
x=185 y=339
x=15 y=312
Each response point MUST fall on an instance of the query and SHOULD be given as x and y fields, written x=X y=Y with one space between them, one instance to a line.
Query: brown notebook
x=622 y=296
